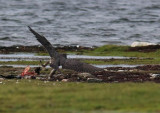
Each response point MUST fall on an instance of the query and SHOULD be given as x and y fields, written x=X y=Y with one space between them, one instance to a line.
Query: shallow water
x=22 y=56
x=119 y=65
x=97 y=57
x=33 y=57
x=100 y=66
x=80 y=22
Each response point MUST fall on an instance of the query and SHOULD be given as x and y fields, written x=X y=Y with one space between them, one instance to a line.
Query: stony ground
x=111 y=74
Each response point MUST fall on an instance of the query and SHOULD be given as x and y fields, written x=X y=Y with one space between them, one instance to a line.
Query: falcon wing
x=52 y=52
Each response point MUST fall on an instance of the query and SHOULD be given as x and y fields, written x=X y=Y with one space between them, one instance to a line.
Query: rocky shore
x=150 y=48
x=110 y=75
x=41 y=49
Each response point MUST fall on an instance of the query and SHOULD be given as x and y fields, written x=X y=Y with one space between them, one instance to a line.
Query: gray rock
x=94 y=80
x=64 y=80
x=153 y=76
x=85 y=75
x=1 y=79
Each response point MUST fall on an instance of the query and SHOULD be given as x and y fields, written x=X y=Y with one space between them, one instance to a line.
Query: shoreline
x=3 y=49
x=148 y=55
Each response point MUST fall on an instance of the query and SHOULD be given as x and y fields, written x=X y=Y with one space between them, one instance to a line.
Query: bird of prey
x=58 y=59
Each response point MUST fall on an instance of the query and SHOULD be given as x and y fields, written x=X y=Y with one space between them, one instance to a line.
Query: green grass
x=56 y=97
x=112 y=61
x=108 y=50
x=20 y=62
x=129 y=62
x=116 y=50
x=113 y=50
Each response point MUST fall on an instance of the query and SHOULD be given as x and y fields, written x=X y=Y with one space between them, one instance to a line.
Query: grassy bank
x=115 y=50
x=52 y=97
x=112 y=50
x=110 y=61
x=152 y=57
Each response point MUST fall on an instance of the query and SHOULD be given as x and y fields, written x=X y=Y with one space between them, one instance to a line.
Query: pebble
x=153 y=76
x=17 y=82
x=85 y=75
x=54 y=84
x=1 y=79
x=99 y=75
x=120 y=70
x=64 y=80
x=46 y=82
x=131 y=70
x=27 y=77
x=94 y=80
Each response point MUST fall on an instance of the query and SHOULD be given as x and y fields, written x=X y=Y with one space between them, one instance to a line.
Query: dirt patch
x=107 y=76
x=138 y=68
x=150 y=48
x=149 y=67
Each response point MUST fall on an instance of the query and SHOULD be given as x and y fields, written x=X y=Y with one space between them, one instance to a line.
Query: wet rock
x=149 y=48
x=17 y=82
x=1 y=79
x=94 y=80
x=18 y=77
x=59 y=77
x=64 y=80
x=37 y=70
x=149 y=67
x=108 y=76
x=38 y=78
x=120 y=70
x=85 y=75
x=137 y=44
x=75 y=79
x=155 y=76
x=10 y=76
x=27 y=77
x=1 y=76
x=99 y=75
x=41 y=49
x=33 y=77
x=43 y=79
